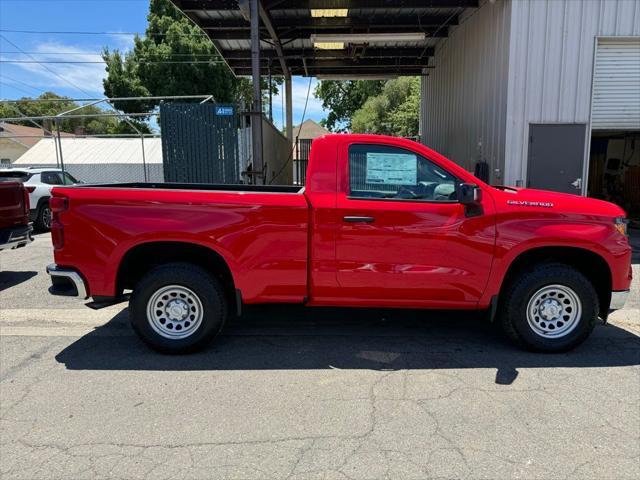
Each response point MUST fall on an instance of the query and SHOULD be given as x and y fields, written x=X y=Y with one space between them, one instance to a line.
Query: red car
x=382 y=222
x=15 y=229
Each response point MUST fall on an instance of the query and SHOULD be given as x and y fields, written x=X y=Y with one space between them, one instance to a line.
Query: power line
x=84 y=32
x=2 y=74
x=44 y=66
x=10 y=85
x=295 y=142
x=75 y=62
x=100 y=54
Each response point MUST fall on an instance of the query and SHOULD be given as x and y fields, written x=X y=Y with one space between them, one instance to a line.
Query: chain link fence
x=199 y=142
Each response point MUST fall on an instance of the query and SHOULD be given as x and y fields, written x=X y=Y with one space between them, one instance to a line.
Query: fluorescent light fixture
x=356 y=76
x=368 y=37
x=329 y=45
x=329 y=12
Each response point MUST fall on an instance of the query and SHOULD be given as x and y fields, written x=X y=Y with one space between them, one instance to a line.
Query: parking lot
x=289 y=392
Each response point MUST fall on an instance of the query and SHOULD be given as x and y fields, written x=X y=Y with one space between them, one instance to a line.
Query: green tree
x=58 y=104
x=173 y=58
x=343 y=98
x=395 y=111
x=150 y=69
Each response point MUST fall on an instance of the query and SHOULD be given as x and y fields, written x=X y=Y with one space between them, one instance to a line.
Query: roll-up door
x=616 y=85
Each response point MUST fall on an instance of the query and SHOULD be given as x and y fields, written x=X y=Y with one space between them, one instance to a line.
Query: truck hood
x=531 y=199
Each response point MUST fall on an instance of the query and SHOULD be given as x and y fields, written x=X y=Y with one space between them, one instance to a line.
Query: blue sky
x=84 y=80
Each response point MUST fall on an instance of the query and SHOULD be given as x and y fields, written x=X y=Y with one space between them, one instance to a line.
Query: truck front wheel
x=550 y=308
x=178 y=308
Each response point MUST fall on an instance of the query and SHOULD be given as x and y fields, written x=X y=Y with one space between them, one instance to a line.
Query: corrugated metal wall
x=551 y=64
x=464 y=96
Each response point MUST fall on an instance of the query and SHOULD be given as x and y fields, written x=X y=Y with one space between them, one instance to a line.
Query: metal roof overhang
x=287 y=31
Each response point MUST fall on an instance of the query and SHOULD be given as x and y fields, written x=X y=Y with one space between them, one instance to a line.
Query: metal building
x=541 y=93
x=547 y=92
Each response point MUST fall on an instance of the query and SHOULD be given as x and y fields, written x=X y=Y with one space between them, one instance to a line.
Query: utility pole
x=256 y=117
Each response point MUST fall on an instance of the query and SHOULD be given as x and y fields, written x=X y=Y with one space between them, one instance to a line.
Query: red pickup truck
x=15 y=229
x=382 y=222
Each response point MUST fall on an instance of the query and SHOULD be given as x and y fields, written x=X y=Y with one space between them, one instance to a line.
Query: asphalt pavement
x=298 y=393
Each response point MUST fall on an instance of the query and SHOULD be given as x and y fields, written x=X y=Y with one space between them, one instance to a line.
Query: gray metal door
x=556 y=156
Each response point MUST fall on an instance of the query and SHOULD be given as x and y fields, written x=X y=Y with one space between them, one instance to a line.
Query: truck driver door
x=402 y=237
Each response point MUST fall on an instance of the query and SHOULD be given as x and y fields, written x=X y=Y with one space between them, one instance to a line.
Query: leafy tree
x=395 y=111
x=343 y=98
x=173 y=58
x=58 y=104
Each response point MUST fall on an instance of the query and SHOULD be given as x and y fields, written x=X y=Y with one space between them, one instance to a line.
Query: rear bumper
x=618 y=299
x=66 y=282
x=15 y=237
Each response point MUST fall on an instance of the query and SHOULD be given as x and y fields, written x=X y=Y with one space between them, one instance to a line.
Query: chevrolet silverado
x=381 y=222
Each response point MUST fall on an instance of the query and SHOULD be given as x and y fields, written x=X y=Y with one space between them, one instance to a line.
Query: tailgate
x=13 y=210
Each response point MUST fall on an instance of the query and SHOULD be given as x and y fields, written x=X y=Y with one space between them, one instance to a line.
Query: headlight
x=621 y=225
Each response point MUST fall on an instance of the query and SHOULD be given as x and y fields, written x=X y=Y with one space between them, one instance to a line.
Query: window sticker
x=392 y=168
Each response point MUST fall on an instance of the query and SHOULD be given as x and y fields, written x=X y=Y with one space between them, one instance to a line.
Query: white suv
x=39 y=182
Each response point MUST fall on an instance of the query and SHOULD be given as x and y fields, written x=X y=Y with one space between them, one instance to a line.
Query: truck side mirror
x=469 y=194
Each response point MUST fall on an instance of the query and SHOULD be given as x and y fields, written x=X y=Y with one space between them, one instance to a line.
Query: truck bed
x=200 y=186
x=261 y=231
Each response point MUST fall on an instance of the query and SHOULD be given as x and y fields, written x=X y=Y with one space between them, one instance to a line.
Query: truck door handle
x=358 y=219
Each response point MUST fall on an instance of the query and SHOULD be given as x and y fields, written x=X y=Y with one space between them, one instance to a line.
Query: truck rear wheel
x=178 y=308
x=549 y=308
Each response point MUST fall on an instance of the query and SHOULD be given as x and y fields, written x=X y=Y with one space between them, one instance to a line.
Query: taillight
x=25 y=202
x=57 y=205
x=30 y=189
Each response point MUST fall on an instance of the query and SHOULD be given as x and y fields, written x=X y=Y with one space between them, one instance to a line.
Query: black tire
x=514 y=304
x=208 y=293
x=43 y=218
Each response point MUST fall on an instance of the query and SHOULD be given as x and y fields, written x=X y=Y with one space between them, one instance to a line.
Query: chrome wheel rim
x=174 y=312
x=554 y=311
x=46 y=217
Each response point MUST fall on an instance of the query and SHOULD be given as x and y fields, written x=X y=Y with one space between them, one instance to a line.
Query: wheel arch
x=42 y=200
x=143 y=257
x=589 y=263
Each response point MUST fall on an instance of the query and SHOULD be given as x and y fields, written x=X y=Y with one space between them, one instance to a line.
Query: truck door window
x=379 y=171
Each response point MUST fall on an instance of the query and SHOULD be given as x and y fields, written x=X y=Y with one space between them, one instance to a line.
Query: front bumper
x=66 y=282
x=15 y=237
x=618 y=299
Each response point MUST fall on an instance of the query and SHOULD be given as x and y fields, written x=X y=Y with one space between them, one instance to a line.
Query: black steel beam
x=198 y=5
x=340 y=63
x=369 y=52
x=266 y=19
x=407 y=21
x=312 y=72
x=304 y=32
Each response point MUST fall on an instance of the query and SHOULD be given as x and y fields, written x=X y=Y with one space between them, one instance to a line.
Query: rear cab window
x=386 y=172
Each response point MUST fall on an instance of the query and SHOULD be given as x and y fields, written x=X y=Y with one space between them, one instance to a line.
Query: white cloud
x=87 y=76
x=299 y=88
x=123 y=42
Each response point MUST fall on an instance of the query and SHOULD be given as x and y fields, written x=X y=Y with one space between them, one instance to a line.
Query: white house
x=101 y=160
